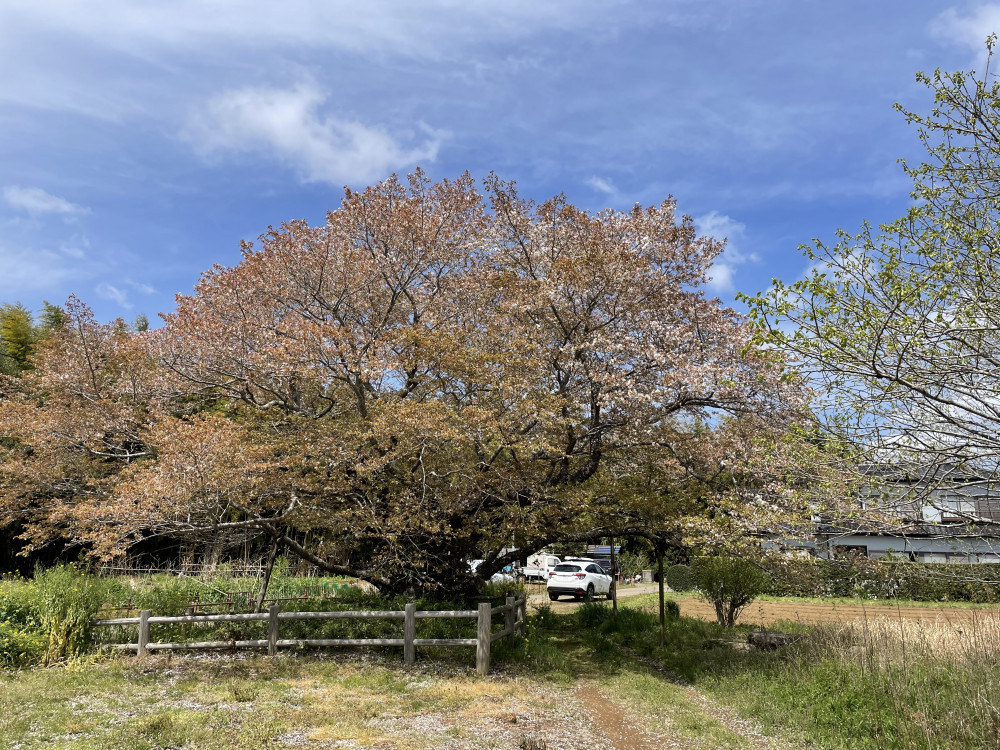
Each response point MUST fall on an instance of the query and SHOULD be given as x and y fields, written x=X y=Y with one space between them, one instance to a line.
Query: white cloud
x=720 y=277
x=112 y=293
x=602 y=185
x=722 y=227
x=969 y=29
x=140 y=287
x=289 y=124
x=37 y=201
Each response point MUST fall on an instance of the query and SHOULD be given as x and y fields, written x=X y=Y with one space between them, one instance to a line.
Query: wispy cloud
x=75 y=247
x=722 y=227
x=373 y=27
x=38 y=201
x=602 y=185
x=290 y=126
x=107 y=291
x=140 y=287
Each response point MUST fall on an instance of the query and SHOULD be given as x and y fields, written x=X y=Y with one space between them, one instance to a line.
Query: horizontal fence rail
x=514 y=610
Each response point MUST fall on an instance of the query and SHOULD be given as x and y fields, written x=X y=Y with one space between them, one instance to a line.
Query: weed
x=243 y=691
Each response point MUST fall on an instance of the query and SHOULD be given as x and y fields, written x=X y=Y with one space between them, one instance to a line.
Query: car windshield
x=567 y=568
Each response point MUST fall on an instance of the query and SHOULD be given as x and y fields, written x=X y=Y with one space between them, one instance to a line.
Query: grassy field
x=550 y=695
x=580 y=680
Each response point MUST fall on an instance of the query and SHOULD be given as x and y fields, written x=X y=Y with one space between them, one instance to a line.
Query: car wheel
x=553 y=597
x=589 y=596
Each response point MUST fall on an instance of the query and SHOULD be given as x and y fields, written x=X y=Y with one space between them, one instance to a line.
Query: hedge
x=877 y=579
x=679 y=578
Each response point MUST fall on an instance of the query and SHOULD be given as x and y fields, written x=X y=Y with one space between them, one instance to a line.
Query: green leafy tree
x=17 y=338
x=899 y=326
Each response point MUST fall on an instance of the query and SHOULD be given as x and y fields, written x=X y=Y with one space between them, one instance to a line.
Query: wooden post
x=143 y=631
x=483 y=638
x=409 y=633
x=510 y=615
x=614 y=580
x=272 y=629
x=663 y=615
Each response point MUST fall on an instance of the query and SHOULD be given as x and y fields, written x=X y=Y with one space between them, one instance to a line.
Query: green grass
x=876 y=684
x=221 y=704
x=881 y=683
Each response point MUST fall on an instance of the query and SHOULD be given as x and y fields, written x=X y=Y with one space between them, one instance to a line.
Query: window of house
x=956 y=507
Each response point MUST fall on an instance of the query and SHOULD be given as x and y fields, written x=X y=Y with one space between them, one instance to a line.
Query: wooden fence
x=514 y=610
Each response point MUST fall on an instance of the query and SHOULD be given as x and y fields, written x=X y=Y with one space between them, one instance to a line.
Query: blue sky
x=140 y=142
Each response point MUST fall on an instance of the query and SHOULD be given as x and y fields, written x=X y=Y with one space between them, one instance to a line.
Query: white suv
x=579 y=578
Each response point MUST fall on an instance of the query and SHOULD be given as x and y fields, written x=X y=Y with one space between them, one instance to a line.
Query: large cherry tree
x=433 y=374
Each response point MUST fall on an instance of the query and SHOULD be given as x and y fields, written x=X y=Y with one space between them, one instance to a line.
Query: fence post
x=409 y=633
x=272 y=629
x=510 y=615
x=483 y=638
x=522 y=613
x=143 y=631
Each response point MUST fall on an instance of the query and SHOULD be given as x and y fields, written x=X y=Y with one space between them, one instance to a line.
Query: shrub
x=679 y=578
x=729 y=584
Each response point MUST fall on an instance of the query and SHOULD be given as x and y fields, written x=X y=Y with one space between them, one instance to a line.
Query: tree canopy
x=432 y=375
x=900 y=327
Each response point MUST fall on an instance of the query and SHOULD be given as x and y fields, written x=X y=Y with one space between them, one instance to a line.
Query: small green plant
x=243 y=691
x=729 y=584
x=20 y=646
x=671 y=609
x=592 y=614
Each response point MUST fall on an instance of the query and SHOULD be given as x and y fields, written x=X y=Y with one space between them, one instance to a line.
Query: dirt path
x=611 y=721
x=537 y=596
x=627 y=730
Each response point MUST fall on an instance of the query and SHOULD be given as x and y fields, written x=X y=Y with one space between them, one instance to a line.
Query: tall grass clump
x=877 y=683
x=66 y=601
